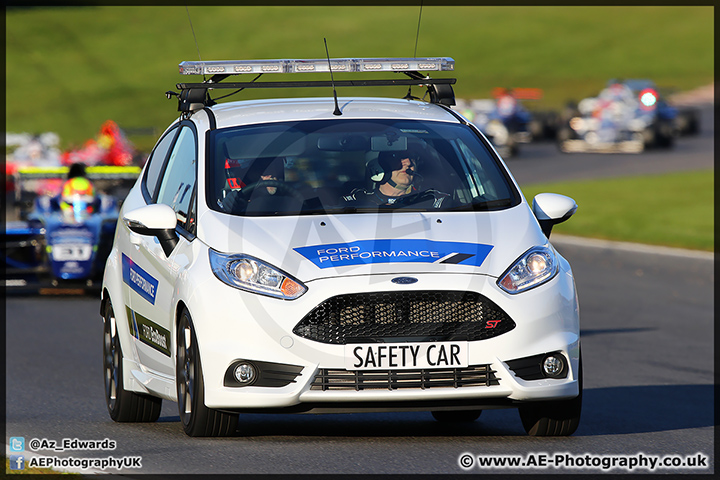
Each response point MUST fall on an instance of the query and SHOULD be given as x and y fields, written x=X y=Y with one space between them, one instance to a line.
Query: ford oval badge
x=404 y=280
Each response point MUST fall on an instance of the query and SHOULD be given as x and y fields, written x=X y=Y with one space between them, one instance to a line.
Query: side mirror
x=157 y=220
x=551 y=209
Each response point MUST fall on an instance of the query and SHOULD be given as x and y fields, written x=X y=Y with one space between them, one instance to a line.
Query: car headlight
x=253 y=275
x=535 y=267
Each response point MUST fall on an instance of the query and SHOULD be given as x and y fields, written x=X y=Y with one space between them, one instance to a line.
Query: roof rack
x=194 y=96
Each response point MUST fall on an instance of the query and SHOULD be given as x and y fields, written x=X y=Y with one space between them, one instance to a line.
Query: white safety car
x=336 y=255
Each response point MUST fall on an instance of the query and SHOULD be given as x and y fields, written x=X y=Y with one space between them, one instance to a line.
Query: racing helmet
x=77 y=198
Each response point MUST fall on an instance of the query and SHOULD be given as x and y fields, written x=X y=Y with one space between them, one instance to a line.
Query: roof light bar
x=236 y=67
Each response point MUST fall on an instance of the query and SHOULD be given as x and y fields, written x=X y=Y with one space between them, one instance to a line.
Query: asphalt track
x=647 y=318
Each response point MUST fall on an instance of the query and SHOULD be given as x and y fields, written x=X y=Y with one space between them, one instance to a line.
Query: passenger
x=239 y=174
x=242 y=177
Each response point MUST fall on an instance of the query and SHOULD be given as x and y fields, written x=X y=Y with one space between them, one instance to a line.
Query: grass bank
x=675 y=210
x=71 y=68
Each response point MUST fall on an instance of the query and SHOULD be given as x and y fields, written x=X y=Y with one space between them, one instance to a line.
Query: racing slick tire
x=564 y=134
x=649 y=137
x=514 y=149
x=688 y=121
x=666 y=135
x=553 y=418
x=536 y=129
x=197 y=419
x=658 y=135
x=123 y=405
x=456 y=416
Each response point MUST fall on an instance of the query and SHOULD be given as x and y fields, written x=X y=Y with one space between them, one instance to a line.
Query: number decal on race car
x=76 y=252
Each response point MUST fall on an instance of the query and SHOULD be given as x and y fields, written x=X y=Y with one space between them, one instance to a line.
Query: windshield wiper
x=344 y=209
x=491 y=204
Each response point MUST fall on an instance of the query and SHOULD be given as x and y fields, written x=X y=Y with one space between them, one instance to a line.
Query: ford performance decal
x=139 y=280
x=364 y=252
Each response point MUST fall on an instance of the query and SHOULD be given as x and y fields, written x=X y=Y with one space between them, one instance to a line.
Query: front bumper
x=232 y=325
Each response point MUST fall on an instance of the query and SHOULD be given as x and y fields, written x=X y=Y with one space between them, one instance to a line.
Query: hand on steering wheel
x=282 y=188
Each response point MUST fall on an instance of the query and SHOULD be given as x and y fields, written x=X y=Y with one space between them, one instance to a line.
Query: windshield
x=348 y=166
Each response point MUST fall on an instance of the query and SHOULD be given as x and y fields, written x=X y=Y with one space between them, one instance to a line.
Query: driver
x=395 y=175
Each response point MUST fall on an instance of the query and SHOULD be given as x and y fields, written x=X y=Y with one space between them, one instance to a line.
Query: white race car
x=336 y=255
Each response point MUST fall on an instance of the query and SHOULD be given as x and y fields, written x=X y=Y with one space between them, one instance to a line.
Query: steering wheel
x=411 y=198
x=236 y=201
x=427 y=194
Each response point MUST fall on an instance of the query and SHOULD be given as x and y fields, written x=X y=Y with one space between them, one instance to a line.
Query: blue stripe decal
x=134 y=332
x=364 y=252
x=139 y=280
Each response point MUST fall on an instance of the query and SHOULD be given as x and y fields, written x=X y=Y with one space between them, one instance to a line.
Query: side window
x=176 y=188
x=156 y=161
x=475 y=176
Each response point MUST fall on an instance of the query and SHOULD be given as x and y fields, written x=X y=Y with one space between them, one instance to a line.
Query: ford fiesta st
x=336 y=254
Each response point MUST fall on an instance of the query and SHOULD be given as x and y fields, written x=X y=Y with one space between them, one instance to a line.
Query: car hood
x=322 y=246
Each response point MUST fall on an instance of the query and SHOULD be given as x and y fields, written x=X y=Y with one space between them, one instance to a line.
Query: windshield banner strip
x=363 y=252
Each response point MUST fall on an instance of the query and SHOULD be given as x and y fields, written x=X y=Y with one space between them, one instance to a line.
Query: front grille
x=404 y=316
x=474 y=376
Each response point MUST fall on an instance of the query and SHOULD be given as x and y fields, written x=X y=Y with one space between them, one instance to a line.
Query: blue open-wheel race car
x=57 y=243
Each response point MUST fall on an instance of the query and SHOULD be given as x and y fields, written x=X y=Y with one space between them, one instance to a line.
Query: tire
x=666 y=135
x=688 y=121
x=554 y=418
x=537 y=129
x=514 y=149
x=650 y=137
x=197 y=419
x=564 y=134
x=456 y=416
x=693 y=127
x=123 y=405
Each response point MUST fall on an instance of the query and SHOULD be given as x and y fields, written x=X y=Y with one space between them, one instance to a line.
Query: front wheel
x=554 y=418
x=197 y=419
x=123 y=405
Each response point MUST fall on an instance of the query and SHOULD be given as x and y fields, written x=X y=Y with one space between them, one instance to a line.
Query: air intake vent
x=474 y=376
x=404 y=316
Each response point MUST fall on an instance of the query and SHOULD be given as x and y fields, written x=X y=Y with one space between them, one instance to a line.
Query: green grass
x=673 y=209
x=71 y=68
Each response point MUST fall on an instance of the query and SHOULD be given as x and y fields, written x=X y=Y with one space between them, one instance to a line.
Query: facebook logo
x=17 y=462
x=17 y=444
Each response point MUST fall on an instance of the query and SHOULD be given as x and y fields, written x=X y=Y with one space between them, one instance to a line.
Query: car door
x=153 y=274
x=139 y=287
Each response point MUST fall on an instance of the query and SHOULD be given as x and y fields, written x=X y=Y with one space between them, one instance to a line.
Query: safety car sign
x=406 y=356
